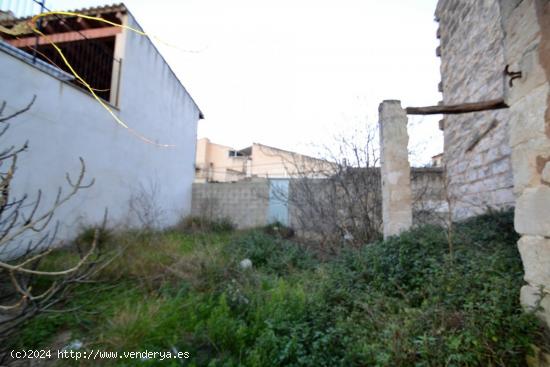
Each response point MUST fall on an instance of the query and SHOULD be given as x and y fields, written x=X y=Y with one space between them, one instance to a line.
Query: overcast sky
x=293 y=73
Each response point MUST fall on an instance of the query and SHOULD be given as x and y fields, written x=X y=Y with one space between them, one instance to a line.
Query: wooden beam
x=494 y=104
x=66 y=37
x=48 y=27
x=83 y=23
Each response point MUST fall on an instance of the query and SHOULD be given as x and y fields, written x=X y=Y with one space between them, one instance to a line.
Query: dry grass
x=159 y=259
x=130 y=324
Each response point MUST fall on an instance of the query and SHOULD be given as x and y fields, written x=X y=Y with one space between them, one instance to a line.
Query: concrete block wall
x=428 y=196
x=477 y=149
x=245 y=203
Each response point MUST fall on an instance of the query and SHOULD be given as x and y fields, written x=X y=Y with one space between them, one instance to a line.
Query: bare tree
x=27 y=237
x=144 y=205
x=337 y=200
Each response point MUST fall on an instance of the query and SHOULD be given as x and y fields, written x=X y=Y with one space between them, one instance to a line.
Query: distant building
x=437 y=160
x=66 y=122
x=220 y=163
x=6 y=15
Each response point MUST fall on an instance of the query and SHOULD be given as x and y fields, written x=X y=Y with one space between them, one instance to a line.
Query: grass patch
x=401 y=302
x=197 y=224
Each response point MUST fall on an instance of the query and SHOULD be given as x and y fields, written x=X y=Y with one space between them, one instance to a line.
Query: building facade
x=66 y=122
x=220 y=163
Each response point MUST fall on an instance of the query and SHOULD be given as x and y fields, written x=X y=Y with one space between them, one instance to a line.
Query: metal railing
x=92 y=59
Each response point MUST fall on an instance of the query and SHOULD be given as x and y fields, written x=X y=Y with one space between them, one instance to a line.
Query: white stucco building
x=66 y=122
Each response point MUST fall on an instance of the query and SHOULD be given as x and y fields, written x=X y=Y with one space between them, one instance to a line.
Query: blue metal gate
x=278 y=201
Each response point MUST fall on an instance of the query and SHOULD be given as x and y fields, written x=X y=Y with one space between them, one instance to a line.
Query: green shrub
x=272 y=254
x=195 y=224
x=86 y=235
x=415 y=306
x=278 y=229
x=400 y=302
x=492 y=227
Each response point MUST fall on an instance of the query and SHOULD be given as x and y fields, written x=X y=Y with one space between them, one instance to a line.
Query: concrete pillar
x=527 y=49
x=395 y=168
x=120 y=45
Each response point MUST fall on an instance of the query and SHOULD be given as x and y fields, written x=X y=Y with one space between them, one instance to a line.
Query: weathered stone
x=532 y=214
x=535 y=254
x=478 y=38
x=472 y=64
x=522 y=29
x=395 y=169
x=503 y=197
x=245 y=264
x=524 y=163
x=527 y=117
x=530 y=297
x=501 y=166
x=545 y=176
x=526 y=47
x=532 y=77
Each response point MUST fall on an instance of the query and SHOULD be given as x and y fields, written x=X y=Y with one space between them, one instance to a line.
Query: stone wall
x=489 y=153
x=527 y=49
x=477 y=149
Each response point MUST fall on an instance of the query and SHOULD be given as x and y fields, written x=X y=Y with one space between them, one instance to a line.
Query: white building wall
x=66 y=122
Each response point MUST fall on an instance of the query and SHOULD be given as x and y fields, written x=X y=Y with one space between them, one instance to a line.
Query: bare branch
x=17 y=113
x=19 y=216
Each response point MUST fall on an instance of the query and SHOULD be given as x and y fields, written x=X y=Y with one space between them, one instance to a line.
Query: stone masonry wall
x=527 y=48
x=498 y=156
x=477 y=150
